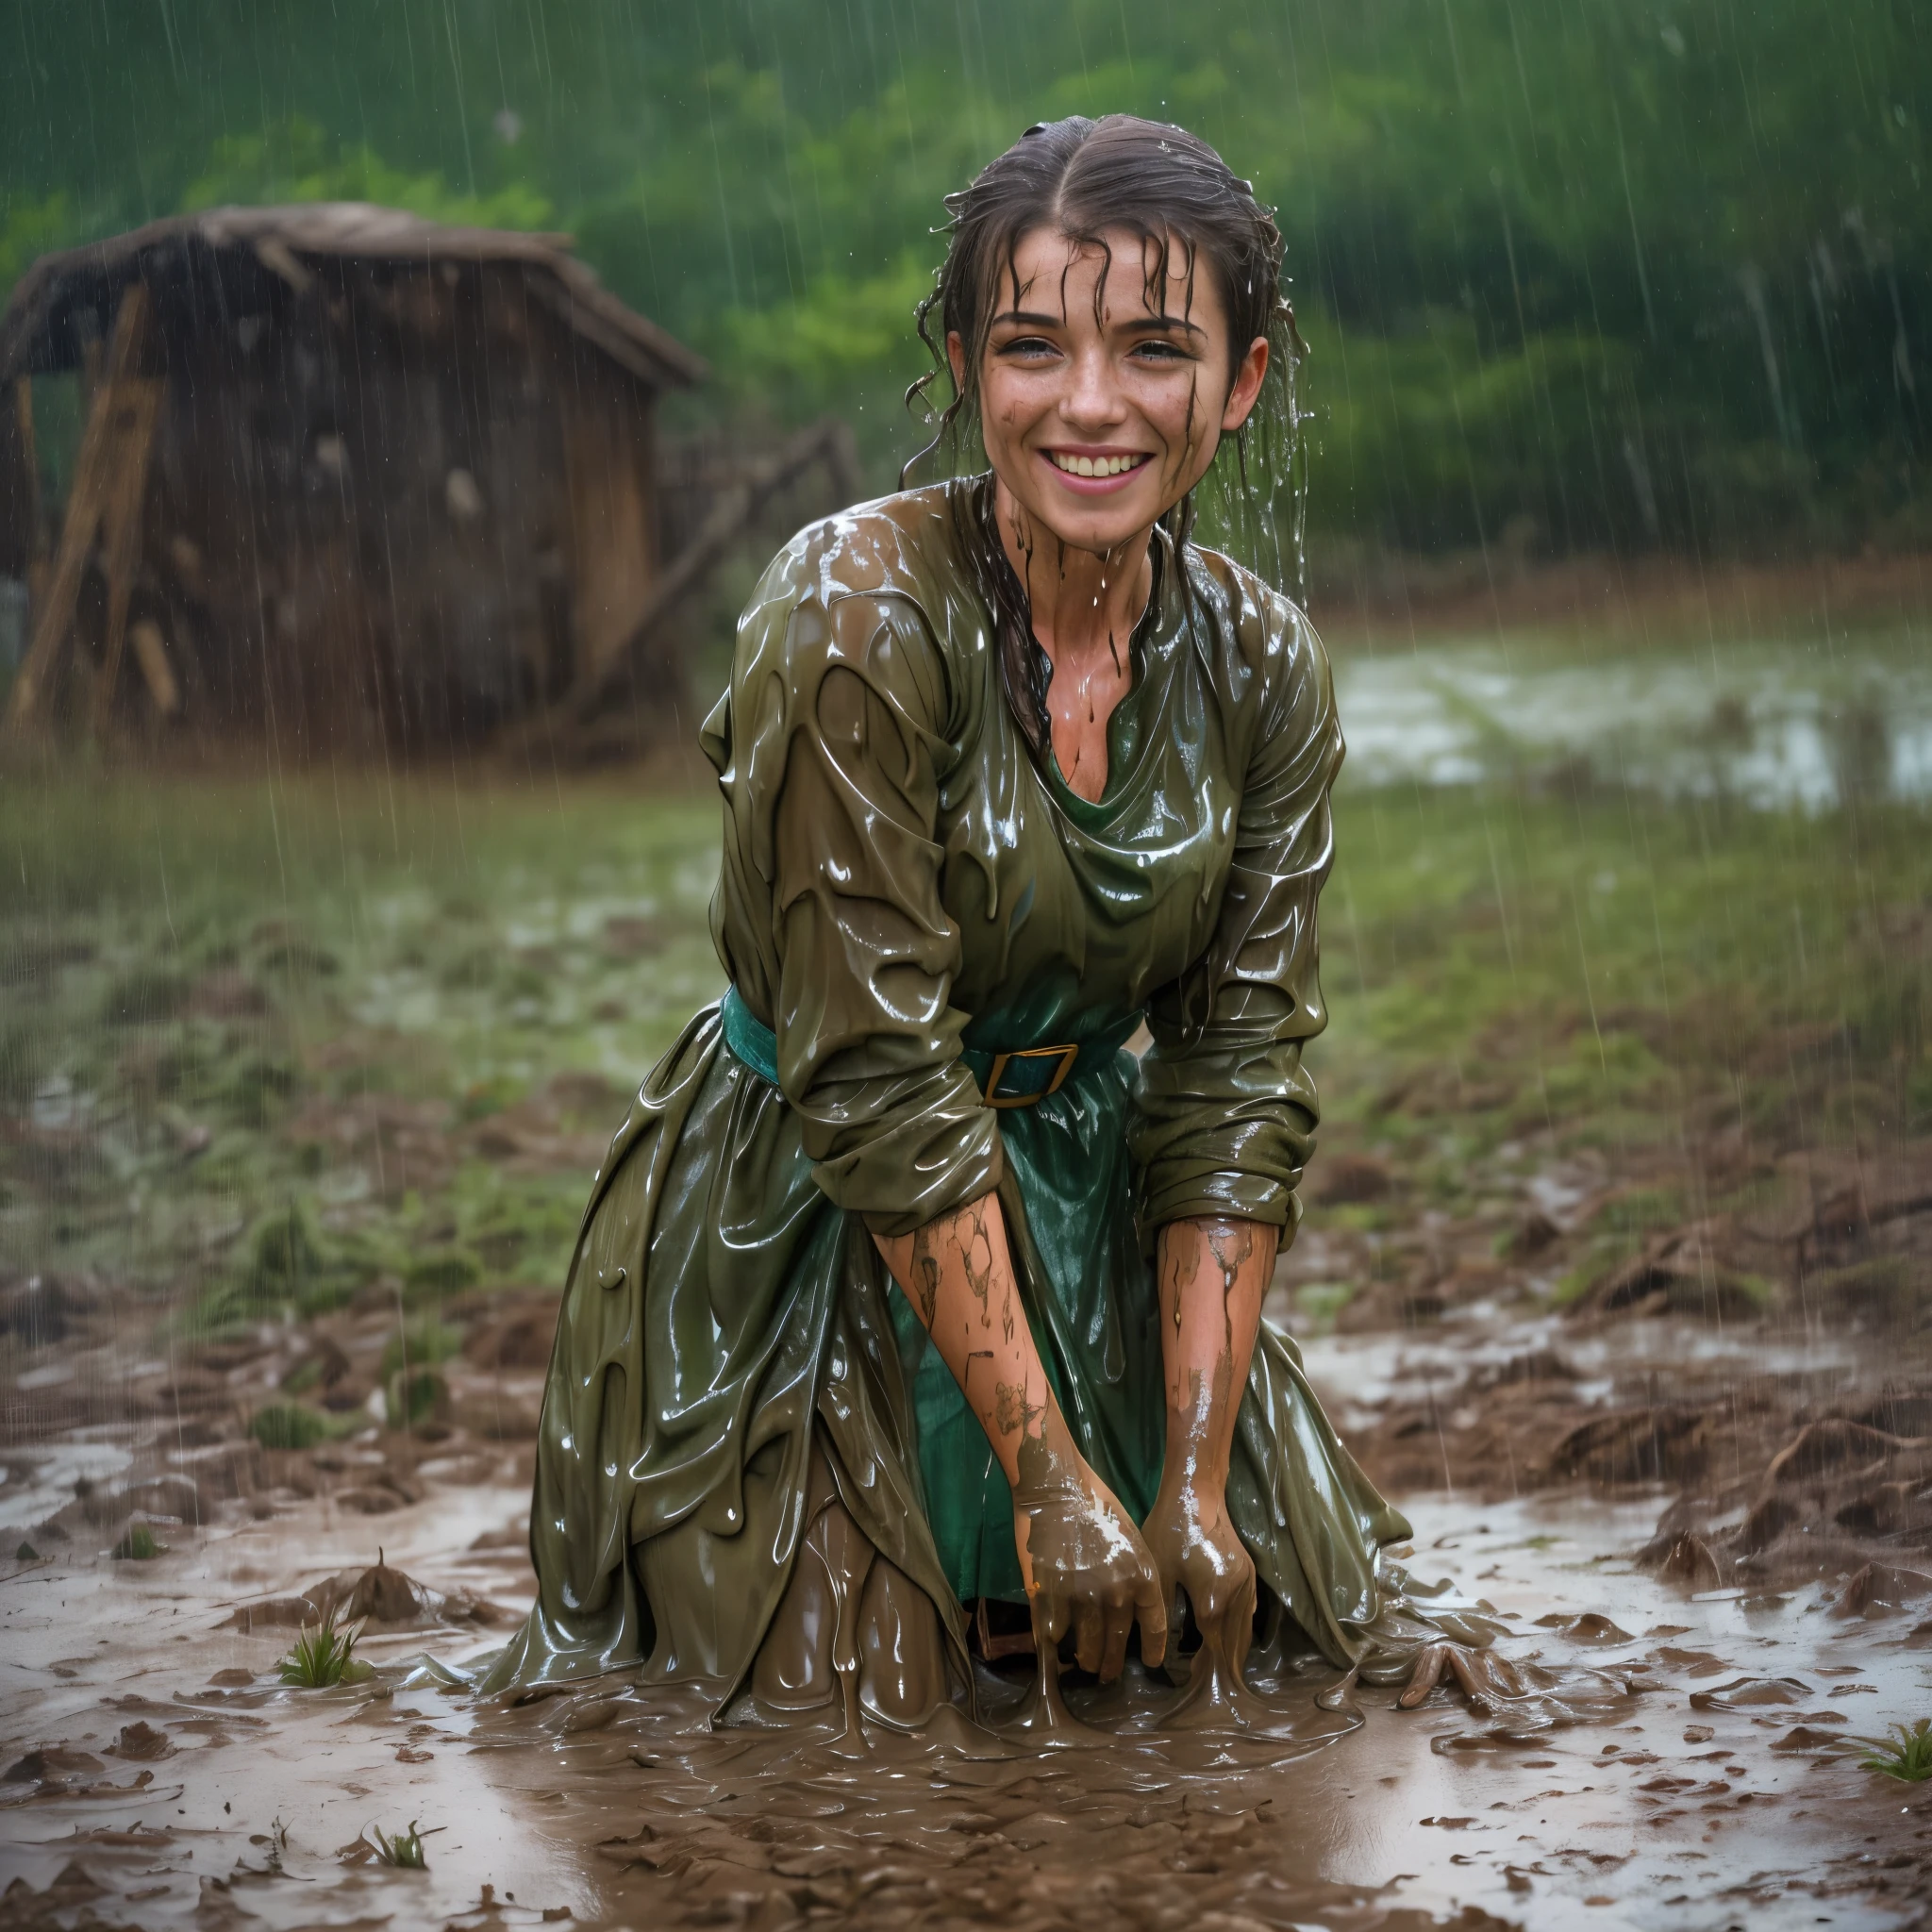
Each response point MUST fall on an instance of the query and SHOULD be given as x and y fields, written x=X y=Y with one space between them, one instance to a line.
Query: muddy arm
x=1085 y=1566
x=1213 y=1275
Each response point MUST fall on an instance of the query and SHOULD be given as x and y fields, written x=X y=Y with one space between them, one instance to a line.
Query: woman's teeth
x=1095 y=466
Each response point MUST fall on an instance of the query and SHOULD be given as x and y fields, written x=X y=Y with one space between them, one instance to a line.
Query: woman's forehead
x=1047 y=261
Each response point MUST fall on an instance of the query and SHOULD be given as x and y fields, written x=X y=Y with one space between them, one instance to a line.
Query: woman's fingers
x=1089 y=1635
x=1150 y=1609
x=1113 y=1652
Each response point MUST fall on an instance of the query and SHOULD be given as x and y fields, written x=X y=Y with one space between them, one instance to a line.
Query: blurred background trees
x=1635 y=276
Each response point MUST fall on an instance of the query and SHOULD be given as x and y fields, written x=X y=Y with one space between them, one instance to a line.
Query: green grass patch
x=1905 y=1753
x=296 y=1426
x=323 y=1656
x=402 y=1849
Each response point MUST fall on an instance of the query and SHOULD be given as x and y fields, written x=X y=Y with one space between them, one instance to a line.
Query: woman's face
x=1102 y=406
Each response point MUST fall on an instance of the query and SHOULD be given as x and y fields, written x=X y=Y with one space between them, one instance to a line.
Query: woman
x=904 y=1287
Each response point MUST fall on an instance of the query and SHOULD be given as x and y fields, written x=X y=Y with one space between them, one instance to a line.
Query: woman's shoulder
x=883 y=589
x=1266 y=631
x=907 y=546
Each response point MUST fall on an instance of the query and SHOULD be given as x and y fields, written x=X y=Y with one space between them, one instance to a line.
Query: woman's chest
x=1113 y=898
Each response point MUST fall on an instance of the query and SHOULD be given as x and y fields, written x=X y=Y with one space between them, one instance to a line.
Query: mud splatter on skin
x=1211 y=1281
x=1085 y=687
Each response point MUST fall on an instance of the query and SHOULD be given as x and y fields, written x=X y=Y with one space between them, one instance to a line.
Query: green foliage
x=292 y=1425
x=137 y=1545
x=1598 y=272
x=1905 y=1753
x=30 y=227
x=417 y=1398
x=420 y=1344
x=297 y=160
x=402 y=1849
x=324 y=1657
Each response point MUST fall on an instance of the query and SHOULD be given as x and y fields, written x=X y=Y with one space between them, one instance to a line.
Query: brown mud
x=1659 y=1742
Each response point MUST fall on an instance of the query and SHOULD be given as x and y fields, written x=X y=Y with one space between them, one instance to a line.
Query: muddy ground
x=1616 y=1272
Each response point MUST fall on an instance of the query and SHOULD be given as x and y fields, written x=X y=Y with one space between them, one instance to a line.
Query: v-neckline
x=1121 y=758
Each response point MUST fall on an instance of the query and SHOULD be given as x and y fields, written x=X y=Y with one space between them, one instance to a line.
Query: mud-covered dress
x=748 y=1448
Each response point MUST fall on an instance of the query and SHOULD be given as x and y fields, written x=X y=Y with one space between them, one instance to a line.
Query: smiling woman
x=905 y=1290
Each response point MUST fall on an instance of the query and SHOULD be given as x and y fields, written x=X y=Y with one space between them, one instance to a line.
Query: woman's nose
x=1094 y=399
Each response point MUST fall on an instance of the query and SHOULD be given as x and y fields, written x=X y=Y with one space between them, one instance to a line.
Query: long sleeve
x=853 y=729
x=1226 y=1113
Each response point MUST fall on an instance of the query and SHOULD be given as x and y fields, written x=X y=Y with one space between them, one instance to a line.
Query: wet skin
x=1083 y=365
x=1083 y=362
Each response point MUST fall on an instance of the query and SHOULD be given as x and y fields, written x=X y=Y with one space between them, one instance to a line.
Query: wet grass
x=274 y=1047
x=323 y=1657
x=402 y=1849
x=1905 y=1753
x=1622 y=972
x=279 y=1045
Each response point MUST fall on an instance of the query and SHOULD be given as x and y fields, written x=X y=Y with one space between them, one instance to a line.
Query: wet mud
x=1626 y=1308
x=1653 y=1743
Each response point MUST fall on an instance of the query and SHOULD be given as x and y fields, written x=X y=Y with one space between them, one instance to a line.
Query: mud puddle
x=157 y=1773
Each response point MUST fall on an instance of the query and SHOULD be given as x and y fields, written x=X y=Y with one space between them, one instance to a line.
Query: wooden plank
x=93 y=482
x=30 y=468
x=151 y=654
x=137 y=409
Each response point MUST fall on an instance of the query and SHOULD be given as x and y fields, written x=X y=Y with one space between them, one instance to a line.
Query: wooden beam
x=828 y=442
x=95 y=481
x=136 y=408
x=151 y=654
x=30 y=468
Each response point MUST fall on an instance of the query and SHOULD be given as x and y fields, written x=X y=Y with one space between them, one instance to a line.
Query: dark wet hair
x=1158 y=183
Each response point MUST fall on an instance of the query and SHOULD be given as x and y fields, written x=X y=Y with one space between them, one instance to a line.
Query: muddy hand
x=1085 y=1566
x=1477 y=1673
x=1196 y=1549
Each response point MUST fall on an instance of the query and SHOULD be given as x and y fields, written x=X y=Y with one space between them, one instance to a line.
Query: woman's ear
x=955 y=354
x=1248 y=386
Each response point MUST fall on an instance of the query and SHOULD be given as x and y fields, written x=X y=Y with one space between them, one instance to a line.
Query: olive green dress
x=907 y=886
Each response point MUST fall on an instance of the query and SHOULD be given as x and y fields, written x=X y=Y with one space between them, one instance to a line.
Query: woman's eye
x=1159 y=349
x=1027 y=346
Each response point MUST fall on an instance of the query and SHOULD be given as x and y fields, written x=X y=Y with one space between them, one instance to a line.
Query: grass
x=324 y=1657
x=288 y=1043
x=402 y=1849
x=1905 y=1753
x=137 y=1545
x=271 y=1033
x=296 y=1426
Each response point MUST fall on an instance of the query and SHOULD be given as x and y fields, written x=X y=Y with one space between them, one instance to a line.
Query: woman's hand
x=1213 y=1274
x=1085 y=1565
x=1196 y=1550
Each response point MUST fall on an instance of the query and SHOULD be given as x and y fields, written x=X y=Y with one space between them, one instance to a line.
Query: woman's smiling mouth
x=1107 y=466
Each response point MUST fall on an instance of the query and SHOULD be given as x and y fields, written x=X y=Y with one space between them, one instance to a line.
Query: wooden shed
x=346 y=477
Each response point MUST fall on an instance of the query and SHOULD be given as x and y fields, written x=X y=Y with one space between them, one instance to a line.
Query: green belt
x=1018 y=1077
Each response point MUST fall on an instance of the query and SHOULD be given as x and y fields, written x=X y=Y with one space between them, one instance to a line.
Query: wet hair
x=1167 y=188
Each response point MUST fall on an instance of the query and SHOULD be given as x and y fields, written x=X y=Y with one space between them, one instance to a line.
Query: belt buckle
x=1065 y=1054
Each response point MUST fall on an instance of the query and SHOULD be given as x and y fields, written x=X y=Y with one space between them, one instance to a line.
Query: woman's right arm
x=1084 y=1564
x=847 y=711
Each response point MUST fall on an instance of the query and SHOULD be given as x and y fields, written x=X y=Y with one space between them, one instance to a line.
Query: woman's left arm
x=1212 y=1276
x=1226 y=1111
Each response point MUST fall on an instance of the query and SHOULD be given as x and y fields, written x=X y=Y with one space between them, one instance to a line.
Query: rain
x=400 y=400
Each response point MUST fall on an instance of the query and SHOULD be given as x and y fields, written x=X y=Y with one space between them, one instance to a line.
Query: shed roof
x=38 y=335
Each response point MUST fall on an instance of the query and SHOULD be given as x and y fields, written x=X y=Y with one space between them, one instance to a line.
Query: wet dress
x=750 y=1459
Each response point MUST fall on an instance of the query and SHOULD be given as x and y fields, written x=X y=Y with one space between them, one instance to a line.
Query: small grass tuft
x=1905 y=1753
x=324 y=1657
x=137 y=1545
x=402 y=1849
x=291 y=1425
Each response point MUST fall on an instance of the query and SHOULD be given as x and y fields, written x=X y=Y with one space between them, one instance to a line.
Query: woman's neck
x=1084 y=604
